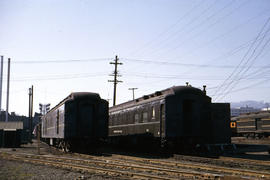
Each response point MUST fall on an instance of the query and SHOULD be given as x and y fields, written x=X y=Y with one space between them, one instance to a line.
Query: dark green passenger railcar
x=180 y=115
x=79 y=121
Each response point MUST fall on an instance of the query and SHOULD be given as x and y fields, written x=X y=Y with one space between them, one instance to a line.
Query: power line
x=234 y=82
x=246 y=87
x=192 y=21
x=198 y=26
x=222 y=35
x=245 y=55
x=247 y=61
x=167 y=62
x=219 y=36
x=155 y=76
x=168 y=29
x=254 y=75
x=229 y=54
x=61 y=61
x=133 y=74
x=60 y=77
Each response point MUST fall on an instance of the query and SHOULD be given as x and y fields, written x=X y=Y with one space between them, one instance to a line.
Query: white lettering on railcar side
x=118 y=131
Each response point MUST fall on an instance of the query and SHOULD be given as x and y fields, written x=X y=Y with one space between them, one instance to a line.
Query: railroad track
x=112 y=168
x=227 y=171
x=229 y=160
x=135 y=167
x=249 y=161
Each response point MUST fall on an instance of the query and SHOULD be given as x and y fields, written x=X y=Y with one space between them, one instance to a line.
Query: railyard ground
x=19 y=170
x=10 y=170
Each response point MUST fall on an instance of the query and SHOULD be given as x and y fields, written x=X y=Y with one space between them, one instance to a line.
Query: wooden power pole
x=8 y=81
x=30 y=112
x=132 y=89
x=115 y=81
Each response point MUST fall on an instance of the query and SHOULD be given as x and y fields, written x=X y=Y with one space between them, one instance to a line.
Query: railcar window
x=49 y=121
x=153 y=113
x=124 y=120
x=162 y=112
x=136 y=117
x=145 y=117
x=118 y=119
x=57 y=122
x=110 y=120
x=113 y=120
x=132 y=118
x=129 y=118
x=46 y=122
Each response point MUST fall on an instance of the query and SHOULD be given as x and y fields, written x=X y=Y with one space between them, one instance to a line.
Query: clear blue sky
x=223 y=44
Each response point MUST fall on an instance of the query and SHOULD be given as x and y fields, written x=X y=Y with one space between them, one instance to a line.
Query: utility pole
x=1 y=83
x=30 y=112
x=8 y=78
x=115 y=74
x=132 y=91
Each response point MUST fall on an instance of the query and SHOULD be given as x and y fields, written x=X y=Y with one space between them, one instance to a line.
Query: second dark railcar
x=177 y=116
x=79 y=121
x=256 y=124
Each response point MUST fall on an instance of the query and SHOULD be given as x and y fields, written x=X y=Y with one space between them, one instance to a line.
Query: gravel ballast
x=19 y=170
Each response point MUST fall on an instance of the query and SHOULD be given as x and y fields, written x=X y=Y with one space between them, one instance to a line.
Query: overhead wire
x=60 y=61
x=186 y=25
x=59 y=77
x=247 y=87
x=238 y=67
x=197 y=26
x=243 y=58
x=167 y=29
x=227 y=55
x=169 y=63
x=204 y=45
x=231 y=30
x=234 y=82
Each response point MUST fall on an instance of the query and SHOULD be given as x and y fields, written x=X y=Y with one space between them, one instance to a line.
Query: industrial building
x=10 y=134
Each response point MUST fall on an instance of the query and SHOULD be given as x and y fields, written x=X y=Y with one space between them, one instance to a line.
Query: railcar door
x=188 y=116
x=57 y=122
x=85 y=121
x=162 y=121
x=258 y=124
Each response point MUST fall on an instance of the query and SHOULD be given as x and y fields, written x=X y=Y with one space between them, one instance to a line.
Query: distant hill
x=254 y=104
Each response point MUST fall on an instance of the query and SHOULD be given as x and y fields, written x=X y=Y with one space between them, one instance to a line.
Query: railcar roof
x=159 y=95
x=78 y=95
x=254 y=114
x=11 y=125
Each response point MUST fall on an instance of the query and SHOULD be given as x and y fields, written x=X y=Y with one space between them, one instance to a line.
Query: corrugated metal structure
x=10 y=134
